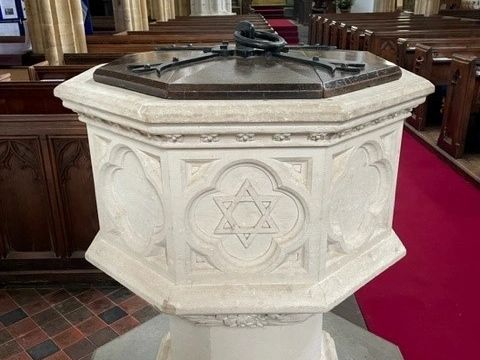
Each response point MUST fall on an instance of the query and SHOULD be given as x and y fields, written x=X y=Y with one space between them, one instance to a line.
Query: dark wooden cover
x=247 y=78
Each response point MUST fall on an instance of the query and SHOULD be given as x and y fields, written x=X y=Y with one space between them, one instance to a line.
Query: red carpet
x=269 y=12
x=286 y=29
x=429 y=303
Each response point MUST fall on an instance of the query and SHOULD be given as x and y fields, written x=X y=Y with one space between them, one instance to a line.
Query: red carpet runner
x=429 y=303
x=286 y=29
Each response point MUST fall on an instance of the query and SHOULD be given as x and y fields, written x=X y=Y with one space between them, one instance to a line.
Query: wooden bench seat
x=433 y=63
x=384 y=43
x=460 y=125
x=319 y=24
x=357 y=33
x=406 y=47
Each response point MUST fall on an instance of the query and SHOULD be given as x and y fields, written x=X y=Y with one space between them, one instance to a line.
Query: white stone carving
x=281 y=137
x=245 y=137
x=359 y=193
x=131 y=188
x=209 y=138
x=247 y=320
x=246 y=218
x=269 y=211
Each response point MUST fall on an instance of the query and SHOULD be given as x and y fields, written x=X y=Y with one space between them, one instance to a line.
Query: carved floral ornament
x=247 y=137
x=362 y=180
x=131 y=183
x=247 y=320
x=246 y=220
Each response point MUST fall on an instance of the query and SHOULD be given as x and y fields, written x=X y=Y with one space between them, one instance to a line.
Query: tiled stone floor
x=65 y=323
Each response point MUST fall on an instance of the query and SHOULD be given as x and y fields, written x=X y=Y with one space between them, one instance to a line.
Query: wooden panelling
x=48 y=215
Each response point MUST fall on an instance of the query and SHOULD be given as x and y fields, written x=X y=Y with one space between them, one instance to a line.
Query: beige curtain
x=427 y=7
x=56 y=27
x=131 y=15
x=385 y=5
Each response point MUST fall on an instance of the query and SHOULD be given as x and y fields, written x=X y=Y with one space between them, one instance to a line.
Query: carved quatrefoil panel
x=361 y=186
x=247 y=220
x=131 y=183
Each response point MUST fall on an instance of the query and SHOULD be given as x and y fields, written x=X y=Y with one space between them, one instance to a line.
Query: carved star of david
x=246 y=194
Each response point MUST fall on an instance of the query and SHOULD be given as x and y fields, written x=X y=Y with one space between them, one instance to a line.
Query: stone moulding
x=235 y=139
x=209 y=299
x=246 y=320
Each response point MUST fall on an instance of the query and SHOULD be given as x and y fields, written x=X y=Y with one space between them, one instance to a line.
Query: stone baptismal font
x=246 y=189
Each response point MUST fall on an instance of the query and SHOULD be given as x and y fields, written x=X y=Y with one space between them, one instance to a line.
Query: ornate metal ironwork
x=250 y=42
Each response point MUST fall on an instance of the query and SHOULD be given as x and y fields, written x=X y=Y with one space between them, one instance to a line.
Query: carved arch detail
x=360 y=190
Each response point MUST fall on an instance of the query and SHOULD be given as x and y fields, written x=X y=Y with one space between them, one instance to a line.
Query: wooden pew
x=463 y=13
x=460 y=119
x=406 y=47
x=357 y=33
x=319 y=26
x=5 y=77
x=433 y=63
x=384 y=43
x=49 y=214
x=56 y=73
x=341 y=33
x=90 y=58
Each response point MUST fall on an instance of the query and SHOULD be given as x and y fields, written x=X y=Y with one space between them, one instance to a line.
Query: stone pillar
x=130 y=15
x=210 y=7
x=385 y=5
x=56 y=27
x=245 y=220
x=427 y=7
x=182 y=7
x=34 y=24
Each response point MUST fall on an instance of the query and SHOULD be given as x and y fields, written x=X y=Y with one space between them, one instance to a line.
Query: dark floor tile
x=112 y=315
x=47 y=291
x=32 y=338
x=36 y=307
x=102 y=336
x=6 y=303
x=89 y=295
x=120 y=295
x=91 y=326
x=22 y=327
x=67 y=306
x=56 y=326
x=46 y=316
x=59 y=355
x=9 y=348
x=145 y=314
x=74 y=289
x=79 y=315
x=105 y=290
x=88 y=357
x=4 y=336
x=100 y=305
x=23 y=296
x=133 y=304
x=126 y=324
x=12 y=317
x=80 y=349
x=68 y=337
x=43 y=350
x=20 y=356
x=57 y=296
